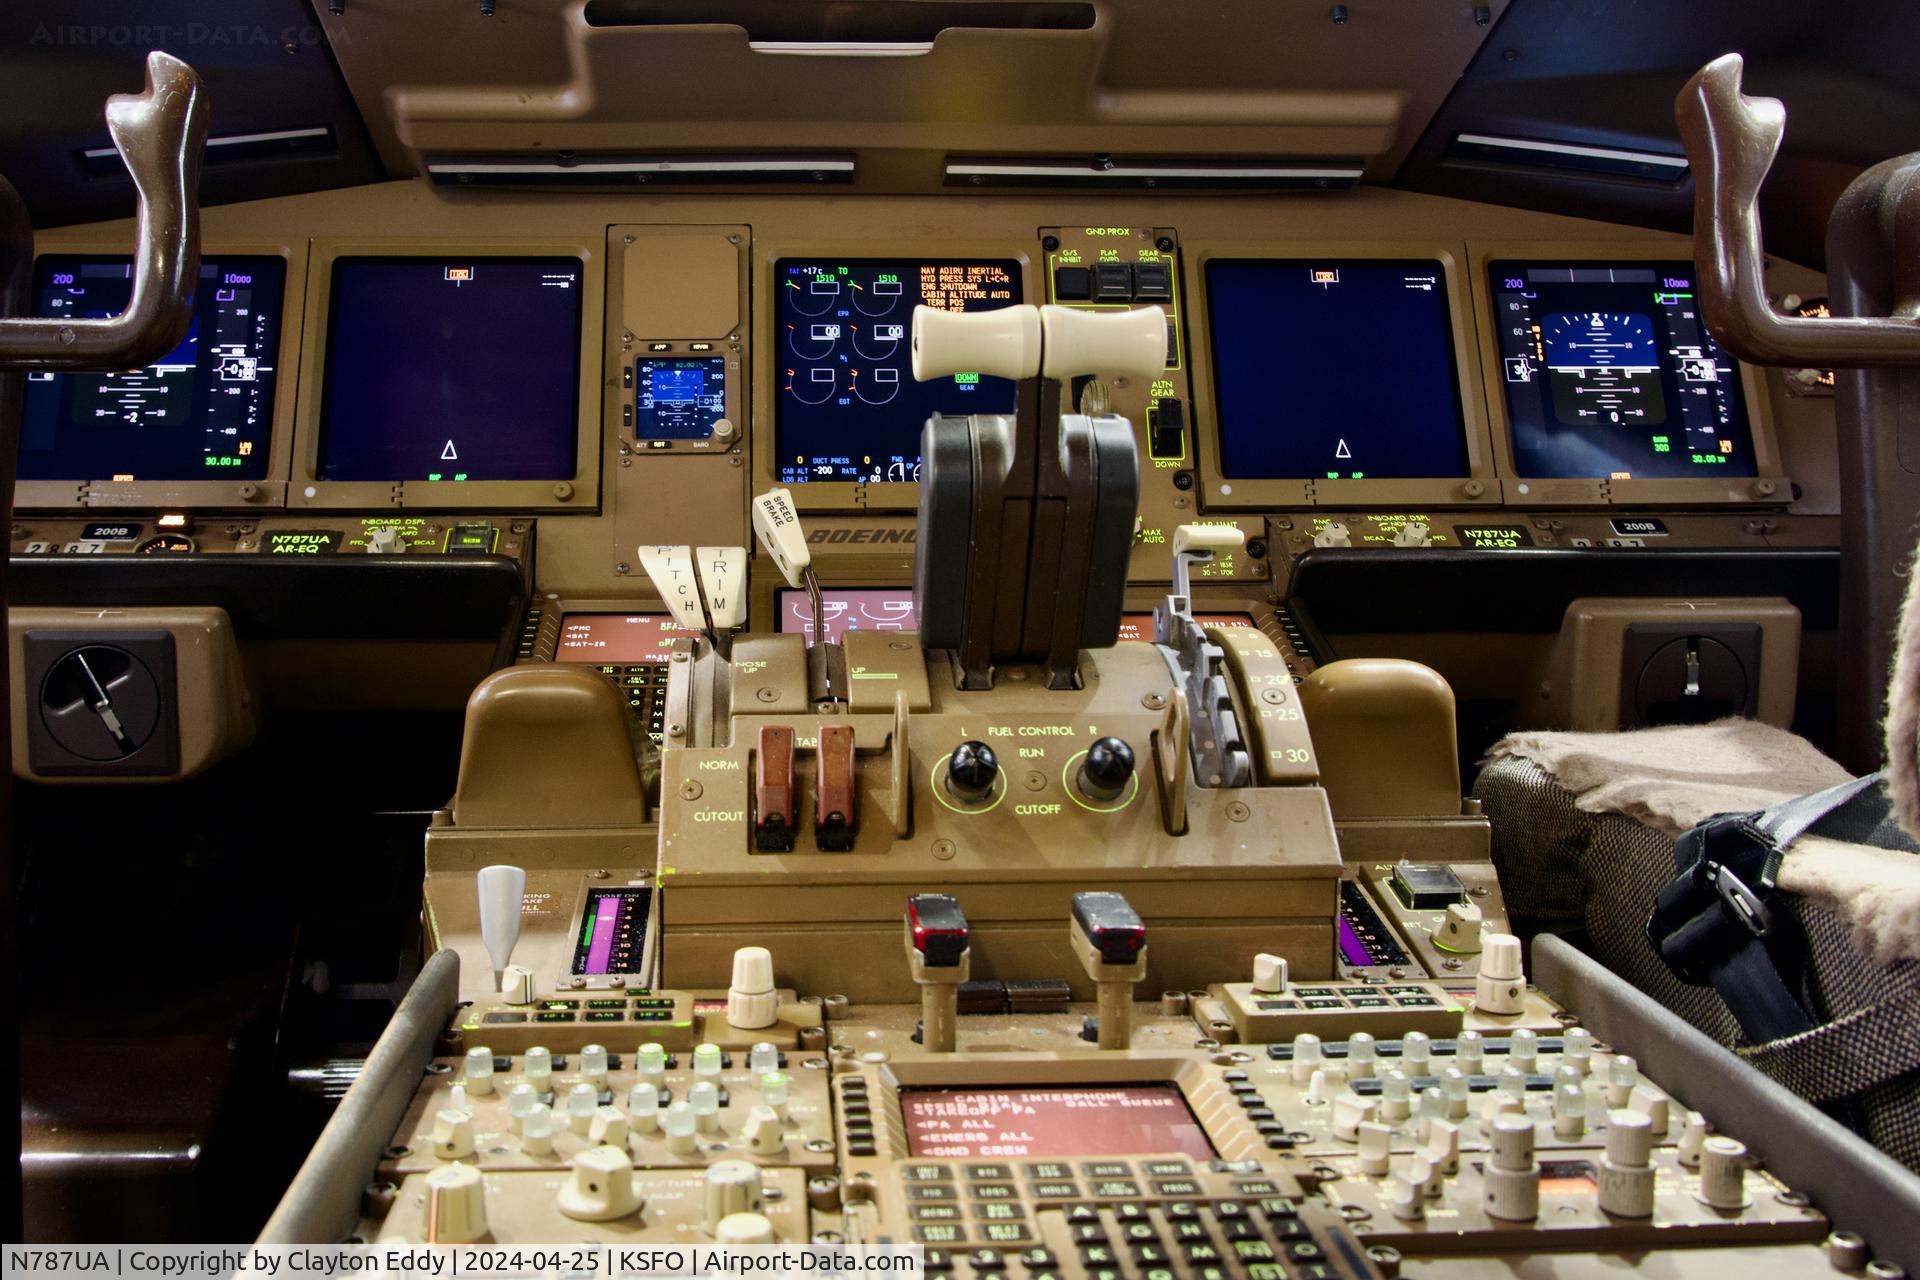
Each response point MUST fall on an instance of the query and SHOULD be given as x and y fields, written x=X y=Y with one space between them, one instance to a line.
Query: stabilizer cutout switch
x=835 y=778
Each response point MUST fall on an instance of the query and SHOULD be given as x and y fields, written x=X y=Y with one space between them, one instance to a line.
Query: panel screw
x=690 y=790
x=944 y=849
x=767 y=693
x=1238 y=812
x=1164 y=244
x=1154 y=701
x=1339 y=15
x=1050 y=243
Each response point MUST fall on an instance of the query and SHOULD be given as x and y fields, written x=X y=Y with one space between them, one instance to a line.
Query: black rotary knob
x=972 y=770
x=1107 y=770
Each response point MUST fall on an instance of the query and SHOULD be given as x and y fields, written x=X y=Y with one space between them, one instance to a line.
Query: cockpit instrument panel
x=452 y=368
x=1610 y=374
x=1335 y=369
x=204 y=411
x=846 y=406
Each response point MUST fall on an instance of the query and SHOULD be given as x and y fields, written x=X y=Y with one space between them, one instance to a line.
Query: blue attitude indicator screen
x=1337 y=369
x=452 y=369
x=1610 y=373
x=679 y=398
x=204 y=411
x=846 y=406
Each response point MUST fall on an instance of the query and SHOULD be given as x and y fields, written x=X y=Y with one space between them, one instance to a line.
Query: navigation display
x=452 y=369
x=846 y=406
x=865 y=609
x=679 y=398
x=1335 y=369
x=204 y=411
x=1075 y=1120
x=1610 y=373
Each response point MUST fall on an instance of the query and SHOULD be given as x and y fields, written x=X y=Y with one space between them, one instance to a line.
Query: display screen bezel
x=1769 y=485
x=104 y=493
x=1478 y=486
x=841 y=495
x=580 y=492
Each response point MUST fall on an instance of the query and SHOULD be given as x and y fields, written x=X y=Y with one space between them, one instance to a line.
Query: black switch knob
x=972 y=770
x=1108 y=768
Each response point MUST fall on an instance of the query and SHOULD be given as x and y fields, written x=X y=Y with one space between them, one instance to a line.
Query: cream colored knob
x=1074 y=342
x=1523 y=1051
x=593 y=1066
x=683 y=1137
x=1576 y=1049
x=479 y=1073
x=1693 y=1140
x=1443 y=1146
x=601 y=1187
x=751 y=1000
x=1460 y=931
x=744 y=1228
x=1623 y=1073
x=1723 y=1174
x=1363 y=1056
x=520 y=1100
x=1406 y=1198
x=732 y=1186
x=1500 y=986
x=1004 y=343
x=762 y=1132
x=516 y=984
x=582 y=1101
x=1652 y=1103
x=703 y=1096
x=1626 y=1172
x=643 y=1108
x=456 y=1205
x=536 y=1068
x=536 y=1130
x=724 y=431
x=453 y=1134
x=1510 y=1186
x=1350 y=1111
x=608 y=1127
x=1269 y=974
x=1376 y=1148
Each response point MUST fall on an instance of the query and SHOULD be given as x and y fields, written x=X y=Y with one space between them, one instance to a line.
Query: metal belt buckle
x=1742 y=901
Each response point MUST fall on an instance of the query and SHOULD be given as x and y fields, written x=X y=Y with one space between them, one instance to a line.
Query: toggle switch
x=601 y=1187
x=1500 y=986
x=752 y=1002
x=1107 y=770
x=972 y=770
x=1110 y=941
x=776 y=801
x=456 y=1205
x=937 y=940
x=1350 y=1111
x=835 y=819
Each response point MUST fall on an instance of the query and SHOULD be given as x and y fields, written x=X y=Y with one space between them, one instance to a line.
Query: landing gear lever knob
x=1107 y=770
x=972 y=770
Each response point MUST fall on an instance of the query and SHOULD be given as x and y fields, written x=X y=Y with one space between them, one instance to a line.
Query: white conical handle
x=1075 y=342
x=501 y=890
x=1004 y=343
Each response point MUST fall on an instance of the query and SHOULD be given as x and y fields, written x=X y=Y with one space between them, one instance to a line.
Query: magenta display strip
x=605 y=918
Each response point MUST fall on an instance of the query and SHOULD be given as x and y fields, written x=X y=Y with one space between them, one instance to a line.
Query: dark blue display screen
x=846 y=406
x=452 y=369
x=204 y=411
x=679 y=398
x=1610 y=373
x=1334 y=369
